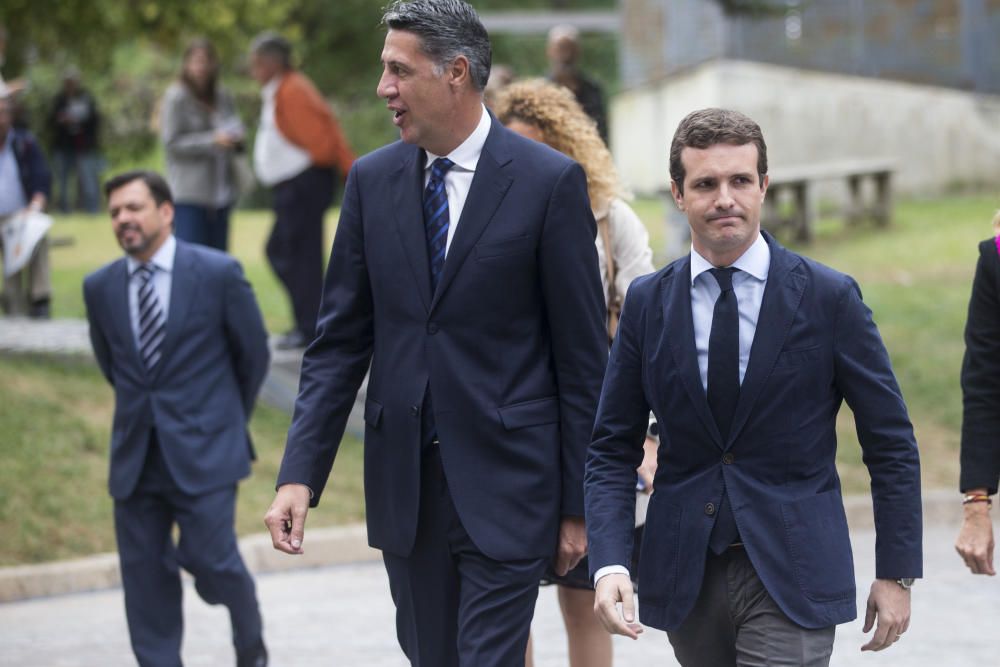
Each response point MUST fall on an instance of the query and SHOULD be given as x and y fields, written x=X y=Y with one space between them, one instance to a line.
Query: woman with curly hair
x=550 y=114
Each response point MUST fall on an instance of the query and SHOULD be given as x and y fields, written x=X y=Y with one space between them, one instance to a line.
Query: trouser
x=32 y=285
x=295 y=247
x=87 y=165
x=150 y=562
x=455 y=606
x=736 y=622
x=205 y=225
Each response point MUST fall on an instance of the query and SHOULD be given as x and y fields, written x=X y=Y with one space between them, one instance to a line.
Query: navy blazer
x=815 y=345
x=511 y=344
x=200 y=396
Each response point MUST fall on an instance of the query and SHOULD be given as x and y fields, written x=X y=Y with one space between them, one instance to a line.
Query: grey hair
x=447 y=29
x=272 y=45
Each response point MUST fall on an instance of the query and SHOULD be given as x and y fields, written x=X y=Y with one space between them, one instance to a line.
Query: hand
x=286 y=518
x=647 y=469
x=572 y=543
x=890 y=604
x=609 y=591
x=975 y=540
x=224 y=139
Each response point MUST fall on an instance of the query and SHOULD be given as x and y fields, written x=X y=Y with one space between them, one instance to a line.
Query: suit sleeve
x=335 y=363
x=981 y=378
x=98 y=340
x=574 y=300
x=617 y=447
x=864 y=377
x=246 y=335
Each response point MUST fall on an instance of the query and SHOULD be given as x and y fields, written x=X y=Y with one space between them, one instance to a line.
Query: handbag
x=614 y=304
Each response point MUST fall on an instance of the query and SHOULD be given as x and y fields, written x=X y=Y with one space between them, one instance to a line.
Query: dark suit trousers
x=736 y=622
x=295 y=247
x=150 y=561
x=455 y=606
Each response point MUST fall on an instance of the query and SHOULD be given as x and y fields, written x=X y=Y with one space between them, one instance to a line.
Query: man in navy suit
x=464 y=271
x=177 y=332
x=745 y=352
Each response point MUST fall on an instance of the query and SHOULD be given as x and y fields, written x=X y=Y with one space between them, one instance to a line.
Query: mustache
x=128 y=226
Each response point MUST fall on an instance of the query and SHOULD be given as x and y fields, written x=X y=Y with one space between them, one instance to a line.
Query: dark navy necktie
x=436 y=217
x=724 y=388
x=152 y=324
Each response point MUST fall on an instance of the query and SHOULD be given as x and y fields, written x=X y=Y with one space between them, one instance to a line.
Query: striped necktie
x=152 y=323
x=436 y=217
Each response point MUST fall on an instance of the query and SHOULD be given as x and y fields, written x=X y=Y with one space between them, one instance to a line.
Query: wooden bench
x=798 y=184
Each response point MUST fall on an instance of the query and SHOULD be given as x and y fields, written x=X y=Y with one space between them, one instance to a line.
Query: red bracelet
x=977 y=498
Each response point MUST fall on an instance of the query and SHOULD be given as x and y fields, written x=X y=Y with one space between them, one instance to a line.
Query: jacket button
x=728 y=458
x=709 y=509
x=415 y=410
x=432 y=328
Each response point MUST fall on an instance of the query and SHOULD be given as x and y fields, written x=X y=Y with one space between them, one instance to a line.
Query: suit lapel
x=786 y=283
x=183 y=290
x=676 y=287
x=407 y=192
x=489 y=186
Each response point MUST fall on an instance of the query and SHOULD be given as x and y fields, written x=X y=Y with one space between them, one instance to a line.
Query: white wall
x=939 y=137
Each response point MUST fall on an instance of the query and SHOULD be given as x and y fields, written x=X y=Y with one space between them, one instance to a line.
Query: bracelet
x=977 y=498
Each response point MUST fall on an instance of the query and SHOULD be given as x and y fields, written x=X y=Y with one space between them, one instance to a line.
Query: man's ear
x=459 y=71
x=678 y=195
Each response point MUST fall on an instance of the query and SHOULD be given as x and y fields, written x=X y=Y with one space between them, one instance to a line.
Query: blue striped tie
x=436 y=217
x=152 y=323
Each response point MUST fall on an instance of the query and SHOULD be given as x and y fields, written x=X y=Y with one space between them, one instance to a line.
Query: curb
x=336 y=546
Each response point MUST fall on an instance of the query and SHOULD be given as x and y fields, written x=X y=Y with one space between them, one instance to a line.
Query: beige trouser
x=29 y=285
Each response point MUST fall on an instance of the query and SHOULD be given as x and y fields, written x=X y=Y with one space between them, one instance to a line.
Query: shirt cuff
x=610 y=569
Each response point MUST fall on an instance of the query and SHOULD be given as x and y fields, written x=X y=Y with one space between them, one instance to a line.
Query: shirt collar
x=163 y=259
x=466 y=156
x=756 y=261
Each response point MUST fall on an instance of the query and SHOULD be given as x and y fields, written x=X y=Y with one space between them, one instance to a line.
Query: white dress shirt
x=458 y=180
x=163 y=260
x=748 y=285
x=275 y=158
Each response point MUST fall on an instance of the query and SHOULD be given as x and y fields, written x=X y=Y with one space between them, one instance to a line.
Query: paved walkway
x=343 y=615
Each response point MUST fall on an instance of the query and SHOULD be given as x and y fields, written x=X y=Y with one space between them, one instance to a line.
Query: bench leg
x=883 y=199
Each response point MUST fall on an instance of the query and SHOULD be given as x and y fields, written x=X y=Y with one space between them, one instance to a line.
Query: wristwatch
x=906 y=583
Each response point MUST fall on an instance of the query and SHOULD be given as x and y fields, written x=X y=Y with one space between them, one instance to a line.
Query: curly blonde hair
x=568 y=129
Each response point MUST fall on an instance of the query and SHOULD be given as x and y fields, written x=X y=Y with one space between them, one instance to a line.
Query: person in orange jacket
x=299 y=147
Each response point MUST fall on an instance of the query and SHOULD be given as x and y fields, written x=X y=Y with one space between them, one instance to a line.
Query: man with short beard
x=177 y=332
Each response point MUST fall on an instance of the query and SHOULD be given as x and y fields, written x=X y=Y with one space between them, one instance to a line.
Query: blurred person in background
x=177 y=333
x=298 y=152
x=981 y=410
x=202 y=135
x=25 y=180
x=74 y=122
x=551 y=115
x=563 y=52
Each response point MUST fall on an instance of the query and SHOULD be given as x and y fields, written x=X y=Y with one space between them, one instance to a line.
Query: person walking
x=745 y=352
x=177 y=333
x=464 y=274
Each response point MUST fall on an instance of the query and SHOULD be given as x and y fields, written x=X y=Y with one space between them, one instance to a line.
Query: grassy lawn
x=56 y=417
x=56 y=422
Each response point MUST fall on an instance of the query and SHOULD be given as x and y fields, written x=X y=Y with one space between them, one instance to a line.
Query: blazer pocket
x=797 y=357
x=373 y=413
x=819 y=546
x=529 y=413
x=501 y=248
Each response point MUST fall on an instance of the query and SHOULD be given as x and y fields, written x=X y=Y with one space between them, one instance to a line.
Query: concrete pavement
x=343 y=615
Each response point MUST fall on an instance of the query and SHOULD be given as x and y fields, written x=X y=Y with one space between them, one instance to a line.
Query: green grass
x=56 y=421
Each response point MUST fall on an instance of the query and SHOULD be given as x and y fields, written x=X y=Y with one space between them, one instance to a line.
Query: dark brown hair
x=707 y=127
x=157 y=185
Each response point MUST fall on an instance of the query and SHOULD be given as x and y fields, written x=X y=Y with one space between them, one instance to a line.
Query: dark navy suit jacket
x=200 y=396
x=511 y=344
x=815 y=346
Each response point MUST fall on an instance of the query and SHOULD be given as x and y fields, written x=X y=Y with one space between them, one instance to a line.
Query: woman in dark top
x=981 y=409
